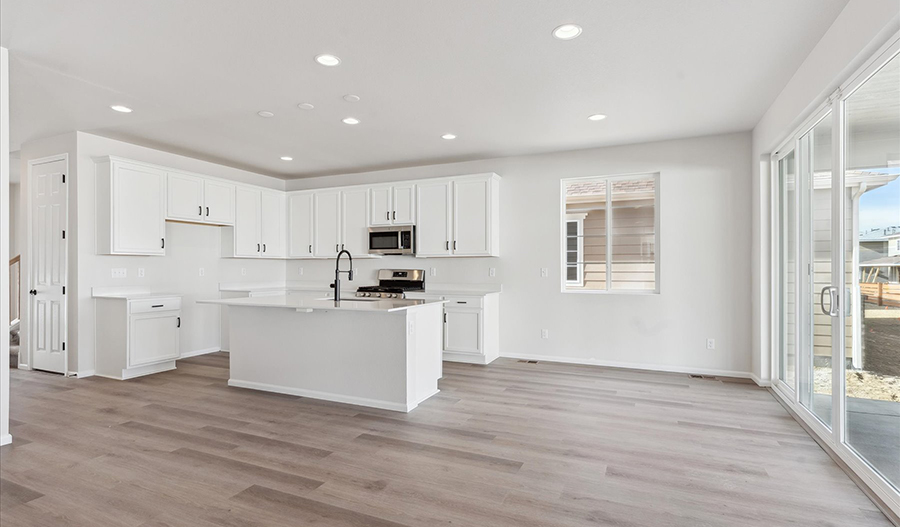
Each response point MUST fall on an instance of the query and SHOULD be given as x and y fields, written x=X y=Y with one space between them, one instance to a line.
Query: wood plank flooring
x=510 y=444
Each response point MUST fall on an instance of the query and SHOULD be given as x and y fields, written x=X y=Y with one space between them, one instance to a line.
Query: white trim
x=759 y=382
x=85 y=374
x=630 y=365
x=195 y=353
x=325 y=396
x=468 y=358
x=5 y=439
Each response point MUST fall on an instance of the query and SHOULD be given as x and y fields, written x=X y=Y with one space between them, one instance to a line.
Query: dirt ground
x=881 y=345
x=862 y=384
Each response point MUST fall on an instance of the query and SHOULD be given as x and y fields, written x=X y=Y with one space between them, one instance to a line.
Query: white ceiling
x=197 y=72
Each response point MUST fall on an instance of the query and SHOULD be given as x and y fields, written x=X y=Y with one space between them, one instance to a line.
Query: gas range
x=394 y=283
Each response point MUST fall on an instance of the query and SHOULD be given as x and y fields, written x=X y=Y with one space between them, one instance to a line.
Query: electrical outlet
x=243 y=271
x=492 y=271
x=545 y=333
x=202 y=271
x=119 y=272
x=300 y=271
x=710 y=344
x=545 y=272
x=140 y=272
x=434 y=271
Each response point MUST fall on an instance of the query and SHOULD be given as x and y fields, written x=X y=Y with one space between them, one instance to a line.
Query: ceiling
x=196 y=74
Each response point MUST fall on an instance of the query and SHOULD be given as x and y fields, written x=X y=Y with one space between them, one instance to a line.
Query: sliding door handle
x=832 y=310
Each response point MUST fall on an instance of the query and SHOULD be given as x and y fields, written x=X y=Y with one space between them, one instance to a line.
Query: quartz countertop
x=435 y=289
x=324 y=304
x=130 y=293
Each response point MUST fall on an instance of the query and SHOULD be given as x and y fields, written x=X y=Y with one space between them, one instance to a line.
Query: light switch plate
x=300 y=271
x=202 y=271
x=119 y=272
x=434 y=271
x=545 y=272
x=492 y=271
x=545 y=333
x=243 y=271
x=710 y=344
x=140 y=272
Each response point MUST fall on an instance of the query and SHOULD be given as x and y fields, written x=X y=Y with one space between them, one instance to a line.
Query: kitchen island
x=378 y=353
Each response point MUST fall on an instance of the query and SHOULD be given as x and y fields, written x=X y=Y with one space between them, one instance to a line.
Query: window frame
x=578 y=220
x=609 y=237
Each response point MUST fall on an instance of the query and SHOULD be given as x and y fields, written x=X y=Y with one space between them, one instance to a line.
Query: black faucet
x=337 y=274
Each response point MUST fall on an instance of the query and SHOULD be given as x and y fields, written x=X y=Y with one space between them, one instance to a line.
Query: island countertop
x=306 y=304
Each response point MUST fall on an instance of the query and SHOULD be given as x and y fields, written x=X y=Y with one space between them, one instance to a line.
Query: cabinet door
x=461 y=330
x=247 y=222
x=381 y=206
x=354 y=221
x=327 y=225
x=185 y=197
x=404 y=206
x=152 y=338
x=218 y=202
x=300 y=225
x=139 y=210
x=471 y=218
x=272 y=224
x=433 y=225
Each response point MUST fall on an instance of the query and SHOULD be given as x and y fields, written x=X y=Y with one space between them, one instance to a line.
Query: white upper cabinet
x=433 y=231
x=300 y=225
x=184 y=197
x=459 y=217
x=472 y=226
x=327 y=224
x=131 y=208
x=272 y=224
x=247 y=221
x=354 y=221
x=218 y=202
x=199 y=199
x=393 y=205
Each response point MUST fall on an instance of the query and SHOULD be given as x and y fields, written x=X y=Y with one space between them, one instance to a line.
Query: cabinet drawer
x=156 y=304
x=464 y=301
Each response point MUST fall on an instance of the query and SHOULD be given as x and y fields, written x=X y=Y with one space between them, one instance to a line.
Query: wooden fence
x=881 y=293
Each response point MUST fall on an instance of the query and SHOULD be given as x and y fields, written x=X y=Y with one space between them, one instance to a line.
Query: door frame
x=834 y=438
x=29 y=253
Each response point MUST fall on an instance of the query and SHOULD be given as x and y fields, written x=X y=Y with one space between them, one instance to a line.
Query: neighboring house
x=878 y=243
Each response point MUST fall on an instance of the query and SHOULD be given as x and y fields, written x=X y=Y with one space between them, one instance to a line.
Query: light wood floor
x=511 y=444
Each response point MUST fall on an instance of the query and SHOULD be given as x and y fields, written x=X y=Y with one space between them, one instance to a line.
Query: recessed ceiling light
x=448 y=136
x=351 y=98
x=567 y=31
x=327 y=60
x=350 y=120
x=597 y=117
x=264 y=113
x=305 y=106
x=287 y=158
x=120 y=108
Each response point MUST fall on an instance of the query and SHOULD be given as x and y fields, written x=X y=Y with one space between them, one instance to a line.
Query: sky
x=880 y=207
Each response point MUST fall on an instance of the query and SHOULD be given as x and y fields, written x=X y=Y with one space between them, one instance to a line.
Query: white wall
x=861 y=28
x=188 y=247
x=14 y=210
x=4 y=245
x=705 y=252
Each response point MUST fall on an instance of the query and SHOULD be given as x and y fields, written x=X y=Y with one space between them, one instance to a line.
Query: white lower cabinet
x=137 y=337
x=471 y=326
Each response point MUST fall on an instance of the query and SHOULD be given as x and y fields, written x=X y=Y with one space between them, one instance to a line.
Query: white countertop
x=322 y=304
x=129 y=293
x=436 y=289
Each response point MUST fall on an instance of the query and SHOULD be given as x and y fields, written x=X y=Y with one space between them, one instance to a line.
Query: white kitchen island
x=378 y=353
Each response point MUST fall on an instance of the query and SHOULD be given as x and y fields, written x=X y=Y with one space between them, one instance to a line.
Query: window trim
x=577 y=219
x=656 y=225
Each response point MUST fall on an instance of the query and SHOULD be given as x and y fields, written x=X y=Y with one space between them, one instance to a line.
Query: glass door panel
x=787 y=220
x=815 y=177
x=872 y=230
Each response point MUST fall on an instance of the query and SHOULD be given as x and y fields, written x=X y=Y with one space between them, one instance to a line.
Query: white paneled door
x=48 y=265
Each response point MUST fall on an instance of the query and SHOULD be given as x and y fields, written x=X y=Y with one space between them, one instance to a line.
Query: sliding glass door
x=836 y=228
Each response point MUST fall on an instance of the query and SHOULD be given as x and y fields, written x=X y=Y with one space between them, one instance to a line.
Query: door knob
x=33 y=292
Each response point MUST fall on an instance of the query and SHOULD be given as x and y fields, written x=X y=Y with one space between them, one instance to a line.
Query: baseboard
x=325 y=396
x=760 y=382
x=21 y=366
x=466 y=358
x=630 y=365
x=5 y=439
x=195 y=353
x=85 y=374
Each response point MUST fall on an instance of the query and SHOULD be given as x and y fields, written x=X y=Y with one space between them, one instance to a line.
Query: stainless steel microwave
x=399 y=239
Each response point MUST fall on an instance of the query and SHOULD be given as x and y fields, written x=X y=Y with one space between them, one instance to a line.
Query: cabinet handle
x=387 y=215
x=445 y=318
x=163 y=243
x=395 y=214
x=200 y=211
x=257 y=247
x=157 y=305
x=448 y=245
x=264 y=247
x=179 y=323
x=454 y=245
x=310 y=248
x=336 y=248
x=207 y=211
